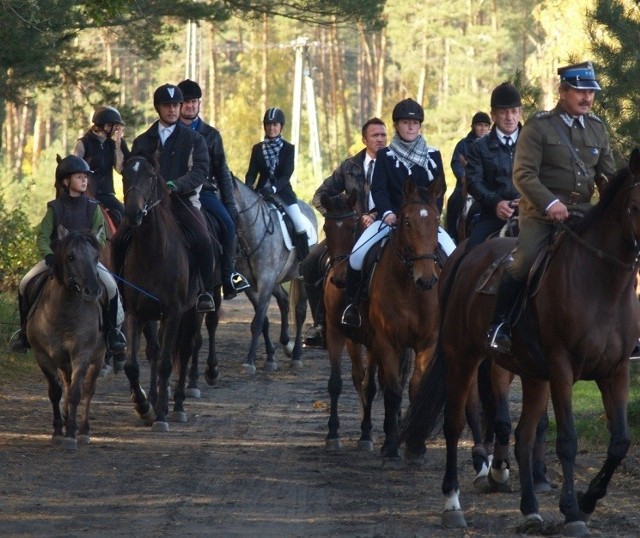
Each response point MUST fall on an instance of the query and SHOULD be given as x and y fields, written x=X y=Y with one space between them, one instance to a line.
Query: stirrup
x=205 y=303
x=239 y=282
x=351 y=317
x=19 y=342
x=499 y=339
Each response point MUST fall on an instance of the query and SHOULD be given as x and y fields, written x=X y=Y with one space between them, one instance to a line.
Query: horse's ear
x=409 y=187
x=326 y=201
x=62 y=232
x=58 y=158
x=353 y=198
x=437 y=187
x=634 y=162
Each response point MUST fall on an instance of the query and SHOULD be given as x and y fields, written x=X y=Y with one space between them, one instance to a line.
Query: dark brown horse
x=341 y=228
x=582 y=323
x=402 y=311
x=64 y=332
x=158 y=285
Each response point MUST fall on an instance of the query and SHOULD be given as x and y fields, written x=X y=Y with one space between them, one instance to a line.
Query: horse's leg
x=153 y=357
x=79 y=366
x=388 y=359
x=363 y=374
x=615 y=391
x=488 y=404
x=335 y=345
x=189 y=332
x=540 y=481
x=212 y=372
x=298 y=294
x=473 y=414
x=282 y=298
x=498 y=476
x=55 y=395
x=132 y=369
x=260 y=302
x=535 y=395
x=169 y=338
x=88 y=390
x=192 y=390
x=270 y=363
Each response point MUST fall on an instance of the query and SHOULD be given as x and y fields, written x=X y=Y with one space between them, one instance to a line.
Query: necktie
x=367 y=185
x=372 y=162
x=508 y=142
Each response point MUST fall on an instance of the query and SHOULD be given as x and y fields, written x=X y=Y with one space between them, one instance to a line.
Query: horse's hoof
x=532 y=524
x=542 y=487
x=365 y=445
x=178 y=416
x=192 y=392
x=454 y=519
x=575 y=528
x=499 y=486
x=160 y=426
x=288 y=349
x=296 y=364
x=332 y=445
x=248 y=369
x=56 y=440
x=147 y=417
x=84 y=439
x=69 y=443
x=209 y=377
x=105 y=370
x=270 y=366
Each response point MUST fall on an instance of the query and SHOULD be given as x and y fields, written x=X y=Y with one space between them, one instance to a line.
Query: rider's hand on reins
x=390 y=219
x=558 y=211
x=367 y=220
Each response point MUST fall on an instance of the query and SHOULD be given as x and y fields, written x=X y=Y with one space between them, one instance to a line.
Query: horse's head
x=75 y=264
x=143 y=188
x=417 y=233
x=340 y=228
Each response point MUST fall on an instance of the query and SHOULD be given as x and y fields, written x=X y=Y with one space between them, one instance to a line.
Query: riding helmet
x=505 y=96
x=408 y=109
x=70 y=165
x=106 y=114
x=167 y=93
x=480 y=117
x=190 y=89
x=274 y=115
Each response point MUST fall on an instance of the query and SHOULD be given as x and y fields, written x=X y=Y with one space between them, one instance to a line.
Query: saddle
x=288 y=223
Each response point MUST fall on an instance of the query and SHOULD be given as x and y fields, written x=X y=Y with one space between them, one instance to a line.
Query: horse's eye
x=71 y=257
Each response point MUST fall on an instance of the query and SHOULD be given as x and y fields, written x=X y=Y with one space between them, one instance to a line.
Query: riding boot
x=21 y=344
x=314 y=337
x=116 y=341
x=301 y=242
x=205 y=302
x=499 y=335
x=232 y=280
x=351 y=316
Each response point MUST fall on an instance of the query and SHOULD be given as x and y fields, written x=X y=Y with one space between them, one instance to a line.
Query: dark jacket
x=348 y=176
x=219 y=178
x=389 y=175
x=489 y=168
x=100 y=154
x=282 y=176
x=461 y=150
x=184 y=158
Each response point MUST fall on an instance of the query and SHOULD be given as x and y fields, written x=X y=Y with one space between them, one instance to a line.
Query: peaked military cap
x=580 y=76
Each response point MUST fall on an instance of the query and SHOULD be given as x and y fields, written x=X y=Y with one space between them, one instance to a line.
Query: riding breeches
x=296 y=217
x=211 y=202
x=534 y=236
x=376 y=232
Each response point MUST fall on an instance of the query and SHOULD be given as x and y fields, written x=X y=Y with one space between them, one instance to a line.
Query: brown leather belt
x=572 y=197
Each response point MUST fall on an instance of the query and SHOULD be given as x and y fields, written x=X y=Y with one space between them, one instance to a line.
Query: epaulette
x=592 y=116
x=543 y=114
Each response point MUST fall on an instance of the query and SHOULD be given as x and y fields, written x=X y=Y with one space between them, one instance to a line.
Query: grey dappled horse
x=265 y=260
x=64 y=333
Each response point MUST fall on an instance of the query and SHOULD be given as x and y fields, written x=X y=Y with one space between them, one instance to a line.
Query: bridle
x=152 y=199
x=407 y=258
x=349 y=214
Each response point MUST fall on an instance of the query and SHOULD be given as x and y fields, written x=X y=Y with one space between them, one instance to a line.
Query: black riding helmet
x=70 y=165
x=505 y=96
x=408 y=109
x=167 y=93
x=273 y=115
x=190 y=90
x=106 y=114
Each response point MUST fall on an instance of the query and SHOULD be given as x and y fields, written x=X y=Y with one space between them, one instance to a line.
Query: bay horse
x=266 y=262
x=341 y=230
x=65 y=333
x=402 y=310
x=581 y=324
x=159 y=286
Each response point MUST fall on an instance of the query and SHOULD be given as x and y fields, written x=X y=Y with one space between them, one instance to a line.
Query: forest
x=60 y=59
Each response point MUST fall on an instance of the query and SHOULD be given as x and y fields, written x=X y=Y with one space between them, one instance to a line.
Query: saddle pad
x=311 y=232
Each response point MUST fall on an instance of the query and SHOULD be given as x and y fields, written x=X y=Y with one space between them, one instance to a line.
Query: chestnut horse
x=581 y=323
x=341 y=228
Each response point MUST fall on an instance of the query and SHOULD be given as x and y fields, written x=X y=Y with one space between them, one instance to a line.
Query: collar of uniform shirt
x=513 y=135
x=568 y=119
x=169 y=129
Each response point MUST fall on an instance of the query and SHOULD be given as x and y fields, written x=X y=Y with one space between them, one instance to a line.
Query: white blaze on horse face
x=136 y=166
x=339 y=224
x=424 y=213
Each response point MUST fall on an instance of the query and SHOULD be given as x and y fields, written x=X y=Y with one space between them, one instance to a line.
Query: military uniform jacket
x=349 y=176
x=219 y=178
x=390 y=174
x=258 y=168
x=489 y=166
x=184 y=158
x=545 y=170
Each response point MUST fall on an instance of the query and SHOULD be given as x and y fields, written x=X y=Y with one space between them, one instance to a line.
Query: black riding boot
x=314 y=337
x=116 y=341
x=499 y=335
x=21 y=344
x=351 y=316
x=301 y=242
x=232 y=281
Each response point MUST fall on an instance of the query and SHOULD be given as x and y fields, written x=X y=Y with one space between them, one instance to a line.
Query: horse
x=402 y=311
x=581 y=323
x=266 y=262
x=65 y=334
x=341 y=228
x=159 y=286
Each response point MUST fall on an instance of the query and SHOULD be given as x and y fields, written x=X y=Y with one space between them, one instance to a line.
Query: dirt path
x=250 y=462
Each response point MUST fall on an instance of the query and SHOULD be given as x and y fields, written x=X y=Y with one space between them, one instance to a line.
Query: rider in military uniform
x=560 y=154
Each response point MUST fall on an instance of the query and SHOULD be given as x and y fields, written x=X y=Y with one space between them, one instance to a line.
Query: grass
x=13 y=366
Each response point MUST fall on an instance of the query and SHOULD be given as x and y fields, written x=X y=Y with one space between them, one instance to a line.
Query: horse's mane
x=606 y=200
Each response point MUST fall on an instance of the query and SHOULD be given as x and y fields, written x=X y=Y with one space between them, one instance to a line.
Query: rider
x=216 y=195
x=354 y=173
x=407 y=155
x=560 y=154
x=490 y=162
x=184 y=164
x=75 y=211
x=272 y=163
x=104 y=149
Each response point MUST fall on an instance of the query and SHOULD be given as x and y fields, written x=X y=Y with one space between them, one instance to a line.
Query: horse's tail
x=424 y=415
